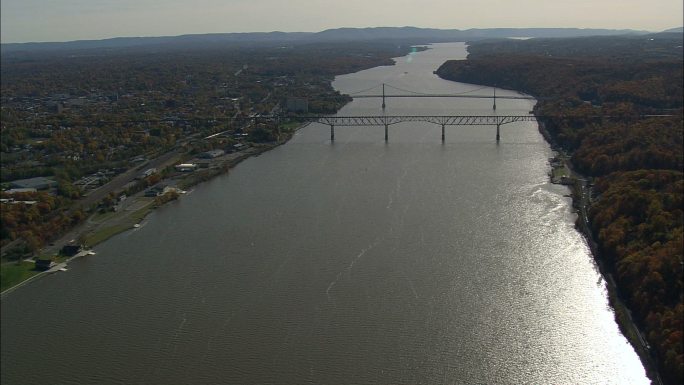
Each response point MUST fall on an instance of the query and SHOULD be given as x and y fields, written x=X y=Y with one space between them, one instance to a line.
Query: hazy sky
x=63 y=20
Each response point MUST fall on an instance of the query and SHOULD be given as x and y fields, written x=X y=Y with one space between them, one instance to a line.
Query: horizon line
x=315 y=32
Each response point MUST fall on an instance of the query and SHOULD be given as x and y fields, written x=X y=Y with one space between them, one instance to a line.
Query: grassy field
x=290 y=125
x=120 y=225
x=13 y=273
x=559 y=172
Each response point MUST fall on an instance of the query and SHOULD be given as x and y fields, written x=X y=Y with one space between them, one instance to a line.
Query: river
x=353 y=262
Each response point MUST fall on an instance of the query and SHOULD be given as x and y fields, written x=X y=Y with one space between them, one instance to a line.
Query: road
x=115 y=185
x=168 y=159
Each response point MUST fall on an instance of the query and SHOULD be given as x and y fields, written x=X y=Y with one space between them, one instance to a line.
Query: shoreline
x=580 y=192
x=109 y=228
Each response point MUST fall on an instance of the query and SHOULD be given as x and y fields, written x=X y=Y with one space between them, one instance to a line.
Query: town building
x=70 y=250
x=38 y=183
x=211 y=154
x=20 y=190
x=44 y=264
x=186 y=167
x=158 y=190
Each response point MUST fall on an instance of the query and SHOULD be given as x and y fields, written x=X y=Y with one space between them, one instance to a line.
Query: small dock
x=57 y=267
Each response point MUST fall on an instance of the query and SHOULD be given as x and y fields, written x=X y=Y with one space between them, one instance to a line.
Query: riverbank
x=634 y=152
x=60 y=264
x=581 y=193
x=99 y=227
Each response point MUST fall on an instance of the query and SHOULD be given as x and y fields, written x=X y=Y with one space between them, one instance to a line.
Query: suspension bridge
x=377 y=120
x=417 y=94
x=442 y=120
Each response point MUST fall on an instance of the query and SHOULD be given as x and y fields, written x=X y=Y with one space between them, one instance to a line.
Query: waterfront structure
x=44 y=264
x=186 y=167
x=211 y=154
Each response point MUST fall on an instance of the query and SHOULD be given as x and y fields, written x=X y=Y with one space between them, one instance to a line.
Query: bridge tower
x=383 y=96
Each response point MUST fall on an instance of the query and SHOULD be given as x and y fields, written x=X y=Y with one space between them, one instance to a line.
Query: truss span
x=444 y=120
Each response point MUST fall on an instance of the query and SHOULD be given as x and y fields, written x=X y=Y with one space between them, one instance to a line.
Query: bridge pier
x=383 y=96
x=386 y=133
x=498 y=135
x=332 y=132
x=443 y=133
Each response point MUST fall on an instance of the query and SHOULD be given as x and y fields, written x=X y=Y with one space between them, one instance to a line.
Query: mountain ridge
x=336 y=34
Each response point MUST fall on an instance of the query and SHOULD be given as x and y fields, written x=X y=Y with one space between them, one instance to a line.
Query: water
x=358 y=262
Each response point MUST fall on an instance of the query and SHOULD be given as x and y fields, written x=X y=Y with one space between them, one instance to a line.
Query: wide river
x=353 y=262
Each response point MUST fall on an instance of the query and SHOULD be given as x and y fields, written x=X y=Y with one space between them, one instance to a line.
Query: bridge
x=442 y=120
x=416 y=94
x=367 y=120
x=340 y=121
x=378 y=120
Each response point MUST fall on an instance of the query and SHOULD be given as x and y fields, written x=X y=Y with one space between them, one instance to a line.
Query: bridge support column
x=386 y=134
x=383 y=96
x=442 y=133
x=498 y=135
x=332 y=132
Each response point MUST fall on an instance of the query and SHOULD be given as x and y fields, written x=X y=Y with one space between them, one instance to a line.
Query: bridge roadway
x=332 y=121
x=371 y=120
x=442 y=120
x=445 y=96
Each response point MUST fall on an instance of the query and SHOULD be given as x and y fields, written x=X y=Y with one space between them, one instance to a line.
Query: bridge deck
x=445 y=96
x=444 y=120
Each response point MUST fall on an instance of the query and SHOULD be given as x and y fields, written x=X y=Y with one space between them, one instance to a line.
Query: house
x=70 y=250
x=158 y=189
x=44 y=264
x=38 y=183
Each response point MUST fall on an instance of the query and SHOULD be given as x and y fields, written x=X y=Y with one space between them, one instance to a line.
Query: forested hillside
x=595 y=97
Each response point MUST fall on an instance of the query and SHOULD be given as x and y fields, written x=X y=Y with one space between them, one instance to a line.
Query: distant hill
x=461 y=35
x=678 y=29
x=424 y=35
x=182 y=40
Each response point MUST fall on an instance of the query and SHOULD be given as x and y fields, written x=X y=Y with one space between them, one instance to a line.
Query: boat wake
x=351 y=265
